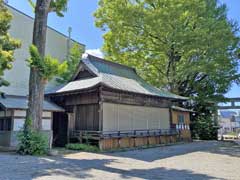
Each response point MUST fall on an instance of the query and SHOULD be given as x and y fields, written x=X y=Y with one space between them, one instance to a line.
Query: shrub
x=204 y=128
x=82 y=147
x=32 y=142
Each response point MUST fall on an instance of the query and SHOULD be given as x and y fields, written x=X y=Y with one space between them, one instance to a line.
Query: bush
x=32 y=142
x=204 y=128
x=82 y=147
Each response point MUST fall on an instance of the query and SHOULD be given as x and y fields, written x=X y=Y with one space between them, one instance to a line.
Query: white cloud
x=94 y=52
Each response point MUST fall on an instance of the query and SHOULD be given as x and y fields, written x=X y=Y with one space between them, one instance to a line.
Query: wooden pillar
x=100 y=109
x=12 y=118
x=170 y=118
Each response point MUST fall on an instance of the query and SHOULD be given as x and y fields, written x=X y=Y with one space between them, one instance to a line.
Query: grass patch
x=82 y=147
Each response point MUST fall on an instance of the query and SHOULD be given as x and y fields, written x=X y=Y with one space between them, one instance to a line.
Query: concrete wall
x=127 y=117
x=21 y=28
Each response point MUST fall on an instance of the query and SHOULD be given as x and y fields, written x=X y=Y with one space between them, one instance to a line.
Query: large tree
x=188 y=47
x=7 y=43
x=37 y=80
x=75 y=55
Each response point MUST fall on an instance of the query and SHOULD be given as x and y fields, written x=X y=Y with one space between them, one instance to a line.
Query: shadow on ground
x=28 y=168
x=158 y=153
x=14 y=167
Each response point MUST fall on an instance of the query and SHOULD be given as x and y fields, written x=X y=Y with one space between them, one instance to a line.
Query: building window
x=5 y=124
x=180 y=119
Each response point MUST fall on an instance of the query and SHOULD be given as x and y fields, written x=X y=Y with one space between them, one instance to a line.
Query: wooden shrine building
x=109 y=103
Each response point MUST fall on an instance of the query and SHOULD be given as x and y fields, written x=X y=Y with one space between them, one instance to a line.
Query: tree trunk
x=36 y=84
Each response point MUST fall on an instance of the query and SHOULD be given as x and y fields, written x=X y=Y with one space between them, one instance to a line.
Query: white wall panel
x=46 y=124
x=140 y=118
x=110 y=117
x=154 y=119
x=18 y=124
x=127 y=117
x=164 y=118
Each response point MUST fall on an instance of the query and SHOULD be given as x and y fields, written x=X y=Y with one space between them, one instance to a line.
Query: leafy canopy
x=73 y=60
x=48 y=67
x=188 y=47
x=7 y=43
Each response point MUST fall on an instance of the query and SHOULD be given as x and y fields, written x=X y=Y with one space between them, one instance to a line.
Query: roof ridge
x=92 y=57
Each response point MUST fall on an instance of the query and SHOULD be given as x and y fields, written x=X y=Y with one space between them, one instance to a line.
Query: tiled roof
x=19 y=102
x=115 y=76
x=80 y=85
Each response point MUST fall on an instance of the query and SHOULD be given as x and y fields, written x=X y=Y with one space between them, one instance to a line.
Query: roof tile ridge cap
x=88 y=63
x=110 y=62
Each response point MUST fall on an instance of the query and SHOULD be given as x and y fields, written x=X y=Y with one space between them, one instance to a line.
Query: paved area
x=198 y=160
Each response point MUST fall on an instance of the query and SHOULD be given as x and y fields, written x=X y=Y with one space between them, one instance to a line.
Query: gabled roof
x=20 y=102
x=114 y=76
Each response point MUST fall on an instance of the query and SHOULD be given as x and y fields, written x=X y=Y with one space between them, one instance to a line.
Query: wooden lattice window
x=5 y=124
x=180 y=119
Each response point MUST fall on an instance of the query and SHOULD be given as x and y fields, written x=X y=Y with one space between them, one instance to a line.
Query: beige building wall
x=21 y=28
x=118 y=117
x=20 y=116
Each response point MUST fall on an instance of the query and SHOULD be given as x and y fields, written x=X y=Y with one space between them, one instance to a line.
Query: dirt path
x=198 y=160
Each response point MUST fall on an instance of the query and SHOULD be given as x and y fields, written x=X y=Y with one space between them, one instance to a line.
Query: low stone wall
x=9 y=138
x=129 y=142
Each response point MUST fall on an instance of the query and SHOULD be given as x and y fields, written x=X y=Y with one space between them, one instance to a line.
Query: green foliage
x=31 y=142
x=7 y=44
x=47 y=67
x=73 y=60
x=205 y=128
x=187 y=47
x=82 y=147
x=57 y=6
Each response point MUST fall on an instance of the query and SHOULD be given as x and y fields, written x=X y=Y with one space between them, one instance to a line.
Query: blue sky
x=80 y=17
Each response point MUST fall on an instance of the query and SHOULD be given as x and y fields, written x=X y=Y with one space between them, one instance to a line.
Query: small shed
x=110 y=103
x=13 y=115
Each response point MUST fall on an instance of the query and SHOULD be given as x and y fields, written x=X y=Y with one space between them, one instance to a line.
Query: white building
x=14 y=104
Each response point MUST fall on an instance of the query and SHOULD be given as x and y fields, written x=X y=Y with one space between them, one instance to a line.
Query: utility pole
x=69 y=41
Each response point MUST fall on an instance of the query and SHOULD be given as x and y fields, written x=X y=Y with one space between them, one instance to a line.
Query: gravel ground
x=198 y=160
